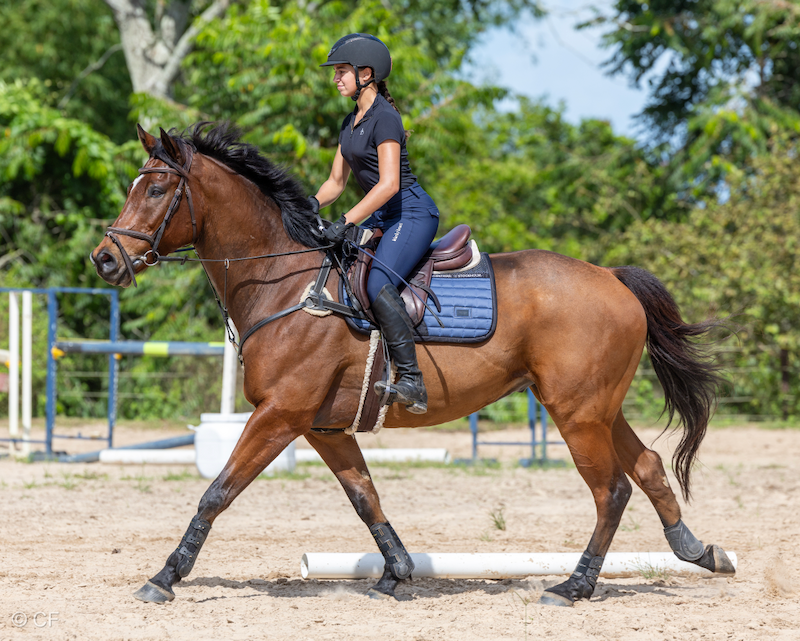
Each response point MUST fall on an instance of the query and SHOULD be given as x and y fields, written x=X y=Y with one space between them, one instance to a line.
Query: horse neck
x=239 y=221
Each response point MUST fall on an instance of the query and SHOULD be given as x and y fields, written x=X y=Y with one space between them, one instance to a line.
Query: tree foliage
x=56 y=42
x=739 y=260
x=723 y=76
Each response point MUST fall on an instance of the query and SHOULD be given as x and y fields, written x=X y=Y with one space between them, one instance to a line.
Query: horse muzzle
x=113 y=269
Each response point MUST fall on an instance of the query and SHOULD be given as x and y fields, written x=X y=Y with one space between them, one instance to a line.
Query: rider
x=372 y=144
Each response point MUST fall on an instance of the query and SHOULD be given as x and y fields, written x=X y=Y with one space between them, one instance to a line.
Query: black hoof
x=551 y=598
x=380 y=596
x=722 y=564
x=152 y=593
x=715 y=559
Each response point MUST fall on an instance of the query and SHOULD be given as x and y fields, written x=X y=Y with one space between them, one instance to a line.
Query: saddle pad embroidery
x=469 y=307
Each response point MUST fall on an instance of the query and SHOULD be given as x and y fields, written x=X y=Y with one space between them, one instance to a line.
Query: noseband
x=155 y=239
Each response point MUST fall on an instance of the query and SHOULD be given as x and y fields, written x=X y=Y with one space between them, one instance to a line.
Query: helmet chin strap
x=359 y=86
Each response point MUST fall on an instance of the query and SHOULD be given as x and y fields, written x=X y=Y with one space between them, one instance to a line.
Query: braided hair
x=383 y=90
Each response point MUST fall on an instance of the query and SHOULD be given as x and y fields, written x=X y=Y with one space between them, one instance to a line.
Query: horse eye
x=155 y=191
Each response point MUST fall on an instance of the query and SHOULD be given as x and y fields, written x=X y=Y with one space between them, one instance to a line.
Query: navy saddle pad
x=469 y=307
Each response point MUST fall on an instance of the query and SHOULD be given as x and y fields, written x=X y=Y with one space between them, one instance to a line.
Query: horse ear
x=148 y=141
x=171 y=147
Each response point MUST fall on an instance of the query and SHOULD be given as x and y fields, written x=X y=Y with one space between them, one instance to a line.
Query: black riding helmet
x=361 y=50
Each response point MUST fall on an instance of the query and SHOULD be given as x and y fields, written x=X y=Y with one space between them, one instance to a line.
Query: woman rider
x=372 y=144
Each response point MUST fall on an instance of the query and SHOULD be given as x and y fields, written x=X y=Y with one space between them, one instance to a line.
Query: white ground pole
x=27 y=369
x=494 y=566
x=230 y=366
x=13 y=365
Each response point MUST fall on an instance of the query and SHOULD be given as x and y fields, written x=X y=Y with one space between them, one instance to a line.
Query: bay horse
x=570 y=331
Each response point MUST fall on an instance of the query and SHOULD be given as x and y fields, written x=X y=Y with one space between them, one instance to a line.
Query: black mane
x=222 y=142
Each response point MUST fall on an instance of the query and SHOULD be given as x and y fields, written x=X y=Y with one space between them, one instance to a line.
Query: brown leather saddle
x=451 y=252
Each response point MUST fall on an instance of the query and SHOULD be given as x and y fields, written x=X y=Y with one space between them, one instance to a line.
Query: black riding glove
x=335 y=234
x=314 y=204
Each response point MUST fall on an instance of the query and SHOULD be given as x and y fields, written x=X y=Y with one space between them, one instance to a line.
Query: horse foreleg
x=592 y=451
x=645 y=468
x=257 y=447
x=343 y=456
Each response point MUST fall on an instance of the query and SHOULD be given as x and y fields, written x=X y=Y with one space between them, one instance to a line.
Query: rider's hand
x=335 y=234
x=314 y=204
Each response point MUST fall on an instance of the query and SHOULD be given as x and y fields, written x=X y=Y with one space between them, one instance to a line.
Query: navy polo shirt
x=360 y=143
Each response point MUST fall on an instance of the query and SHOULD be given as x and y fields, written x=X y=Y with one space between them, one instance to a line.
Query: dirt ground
x=77 y=540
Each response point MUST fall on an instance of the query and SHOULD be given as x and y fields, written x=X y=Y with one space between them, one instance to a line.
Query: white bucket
x=216 y=437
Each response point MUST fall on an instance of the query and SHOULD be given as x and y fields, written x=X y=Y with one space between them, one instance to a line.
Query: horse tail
x=684 y=367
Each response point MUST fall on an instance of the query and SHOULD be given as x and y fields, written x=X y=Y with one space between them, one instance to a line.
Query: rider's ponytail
x=383 y=90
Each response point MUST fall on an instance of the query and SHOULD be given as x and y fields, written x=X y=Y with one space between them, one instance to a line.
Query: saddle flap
x=415 y=305
x=360 y=270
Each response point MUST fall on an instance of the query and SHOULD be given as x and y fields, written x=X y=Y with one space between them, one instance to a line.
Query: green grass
x=651 y=572
x=634 y=525
x=285 y=476
x=141 y=482
x=184 y=475
x=67 y=482
x=91 y=476
x=498 y=518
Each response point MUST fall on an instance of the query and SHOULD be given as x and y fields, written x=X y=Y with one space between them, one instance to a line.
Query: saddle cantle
x=452 y=252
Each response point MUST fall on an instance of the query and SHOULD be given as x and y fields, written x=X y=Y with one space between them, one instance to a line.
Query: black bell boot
x=390 y=312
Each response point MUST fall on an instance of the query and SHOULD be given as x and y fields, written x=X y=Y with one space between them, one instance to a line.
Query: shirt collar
x=378 y=103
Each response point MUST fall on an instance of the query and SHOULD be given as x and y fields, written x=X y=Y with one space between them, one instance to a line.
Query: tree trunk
x=154 y=50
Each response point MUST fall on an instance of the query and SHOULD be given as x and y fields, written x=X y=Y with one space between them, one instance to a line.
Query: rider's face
x=345 y=78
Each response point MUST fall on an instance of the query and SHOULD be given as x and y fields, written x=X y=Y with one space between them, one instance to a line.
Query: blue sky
x=549 y=59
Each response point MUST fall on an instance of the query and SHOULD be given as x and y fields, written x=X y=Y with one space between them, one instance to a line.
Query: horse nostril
x=106 y=261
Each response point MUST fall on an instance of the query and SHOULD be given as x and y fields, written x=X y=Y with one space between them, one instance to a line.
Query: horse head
x=156 y=218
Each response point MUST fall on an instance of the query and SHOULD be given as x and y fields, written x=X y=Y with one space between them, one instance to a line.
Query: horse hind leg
x=644 y=466
x=343 y=456
x=590 y=445
x=250 y=457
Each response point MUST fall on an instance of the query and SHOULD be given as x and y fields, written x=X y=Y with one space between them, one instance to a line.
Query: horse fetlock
x=580 y=585
x=185 y=555
x=685 y=545
x=384 y=588
x=398 y=561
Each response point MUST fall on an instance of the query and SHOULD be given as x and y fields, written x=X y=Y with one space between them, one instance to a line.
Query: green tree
x=72 y=48
x=739 y=259
x=723 y=76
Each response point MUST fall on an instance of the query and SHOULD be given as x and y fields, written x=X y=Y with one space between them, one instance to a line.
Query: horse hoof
x=551 y=598
x=152 y=593
x=722 y=564
x=381 y=596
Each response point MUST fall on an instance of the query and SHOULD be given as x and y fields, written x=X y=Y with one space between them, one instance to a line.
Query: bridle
x=155 y=239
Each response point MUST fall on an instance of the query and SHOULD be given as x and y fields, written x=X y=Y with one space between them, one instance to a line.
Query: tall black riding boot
x=396 y=327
